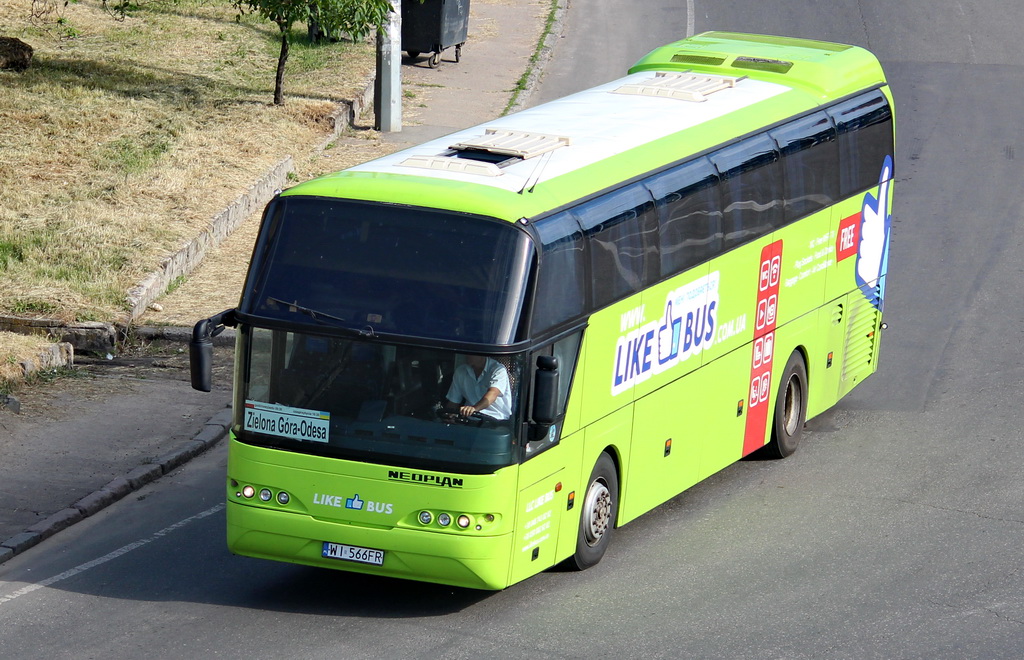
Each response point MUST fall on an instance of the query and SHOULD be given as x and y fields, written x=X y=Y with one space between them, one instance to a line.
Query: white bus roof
x=575 y=131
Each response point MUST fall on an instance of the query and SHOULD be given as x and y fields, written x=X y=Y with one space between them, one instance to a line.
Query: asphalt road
x=895 y=532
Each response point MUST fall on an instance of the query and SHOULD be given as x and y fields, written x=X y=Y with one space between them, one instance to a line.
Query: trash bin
x=434 y=26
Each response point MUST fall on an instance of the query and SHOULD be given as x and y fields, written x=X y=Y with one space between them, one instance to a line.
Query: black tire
x=598 y=510
x=790 y=409
x=413 y=54
x=435 y=60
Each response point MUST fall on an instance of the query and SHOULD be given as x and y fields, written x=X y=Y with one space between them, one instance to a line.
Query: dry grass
x=13 y=350
x=120 y=144
x=217 y=283
x=117 y=146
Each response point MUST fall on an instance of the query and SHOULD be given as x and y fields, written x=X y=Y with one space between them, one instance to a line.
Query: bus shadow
x=335 y=593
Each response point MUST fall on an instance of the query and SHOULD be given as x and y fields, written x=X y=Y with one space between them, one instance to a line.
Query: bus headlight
x=443 y=519
x=463 y=521
x=425 y=517
x=266 y=495
x=248 y=492
x=283 y=498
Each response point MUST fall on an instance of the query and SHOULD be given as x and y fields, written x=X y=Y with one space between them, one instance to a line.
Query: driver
x=480 y=385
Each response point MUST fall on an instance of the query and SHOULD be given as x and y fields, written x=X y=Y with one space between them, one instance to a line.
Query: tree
x=357 y=18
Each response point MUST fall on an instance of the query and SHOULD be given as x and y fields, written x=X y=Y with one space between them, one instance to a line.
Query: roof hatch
x=487 y=154
x=683 y=86
x=518 y=144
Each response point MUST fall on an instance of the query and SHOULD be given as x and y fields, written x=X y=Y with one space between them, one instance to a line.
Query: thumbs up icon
x=354 y=503
x=874 y=230
x=668 y=336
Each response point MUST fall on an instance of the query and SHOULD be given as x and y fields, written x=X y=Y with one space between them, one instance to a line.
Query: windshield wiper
x=316 y=315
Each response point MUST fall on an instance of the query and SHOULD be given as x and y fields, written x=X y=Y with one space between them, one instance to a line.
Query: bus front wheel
x=790 y=409
x=597 y=517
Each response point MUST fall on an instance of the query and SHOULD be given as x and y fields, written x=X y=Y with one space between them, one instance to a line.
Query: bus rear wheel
x=597 y=517
x=790 y=409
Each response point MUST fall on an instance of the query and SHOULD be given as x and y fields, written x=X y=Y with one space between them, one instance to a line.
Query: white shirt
x=468 y=389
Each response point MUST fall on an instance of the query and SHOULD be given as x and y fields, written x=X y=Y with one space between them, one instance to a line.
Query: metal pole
x=388 y=84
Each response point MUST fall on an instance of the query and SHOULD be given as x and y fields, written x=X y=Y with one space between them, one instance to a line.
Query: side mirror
x=200 y=348
x=545 y=391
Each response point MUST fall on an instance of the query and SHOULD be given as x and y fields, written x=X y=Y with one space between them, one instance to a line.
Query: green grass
x=523 y=81
x=27 y=306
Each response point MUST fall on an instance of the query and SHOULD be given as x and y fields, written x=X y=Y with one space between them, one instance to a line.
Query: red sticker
x=763 y=353
x=848 y=237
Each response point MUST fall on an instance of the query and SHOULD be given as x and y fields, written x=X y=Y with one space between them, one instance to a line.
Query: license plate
x=353 y=553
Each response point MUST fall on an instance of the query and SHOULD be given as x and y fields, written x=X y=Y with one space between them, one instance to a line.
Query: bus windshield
x=376 y=402
x=384 y=268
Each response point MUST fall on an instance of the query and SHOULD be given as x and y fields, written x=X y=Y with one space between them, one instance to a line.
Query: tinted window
x=621 y=231
x=690 y=214
x=560 y=286
x=810 y=164
x=374 y=401
x=865 y=139
x=388 y=268
x=751 y=189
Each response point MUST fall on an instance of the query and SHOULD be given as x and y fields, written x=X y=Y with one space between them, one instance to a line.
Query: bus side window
x=864 y=124
x=621 y=229
x=561 y=288
x=690 y=230
x=751 y=189
x=566 y=350
x=810 y=164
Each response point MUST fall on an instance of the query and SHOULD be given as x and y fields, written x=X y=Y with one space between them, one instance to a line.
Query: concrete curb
x=179 y=334
x=213 y=430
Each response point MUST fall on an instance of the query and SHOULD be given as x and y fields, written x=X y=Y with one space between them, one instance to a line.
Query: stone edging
x=186 y=259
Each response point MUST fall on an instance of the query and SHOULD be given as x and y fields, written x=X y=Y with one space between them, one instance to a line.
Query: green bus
x=473 y=359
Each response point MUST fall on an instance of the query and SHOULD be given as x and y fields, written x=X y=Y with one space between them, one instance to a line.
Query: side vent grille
x=837 y=314
x=875 y=297
x=685 y=86
x=861 y=341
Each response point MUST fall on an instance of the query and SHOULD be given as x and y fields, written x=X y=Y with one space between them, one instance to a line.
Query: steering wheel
x=451 y=417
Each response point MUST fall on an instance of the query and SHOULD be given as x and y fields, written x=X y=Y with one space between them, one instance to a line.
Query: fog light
x=462 y=521
x=283 y=498
x=425 y=517
x=443 y=519
x=265 y=494
x=248 y=492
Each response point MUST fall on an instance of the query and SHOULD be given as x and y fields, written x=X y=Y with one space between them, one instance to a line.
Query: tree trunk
x=281 y=60
x=313 y=29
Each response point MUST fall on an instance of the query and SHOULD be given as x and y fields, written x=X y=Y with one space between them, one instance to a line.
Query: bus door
x=545 y=477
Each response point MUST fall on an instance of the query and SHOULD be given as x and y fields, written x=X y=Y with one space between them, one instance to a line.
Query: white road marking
x=27 y=589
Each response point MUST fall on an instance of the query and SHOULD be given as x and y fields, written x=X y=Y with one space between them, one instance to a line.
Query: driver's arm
x=489 y=397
